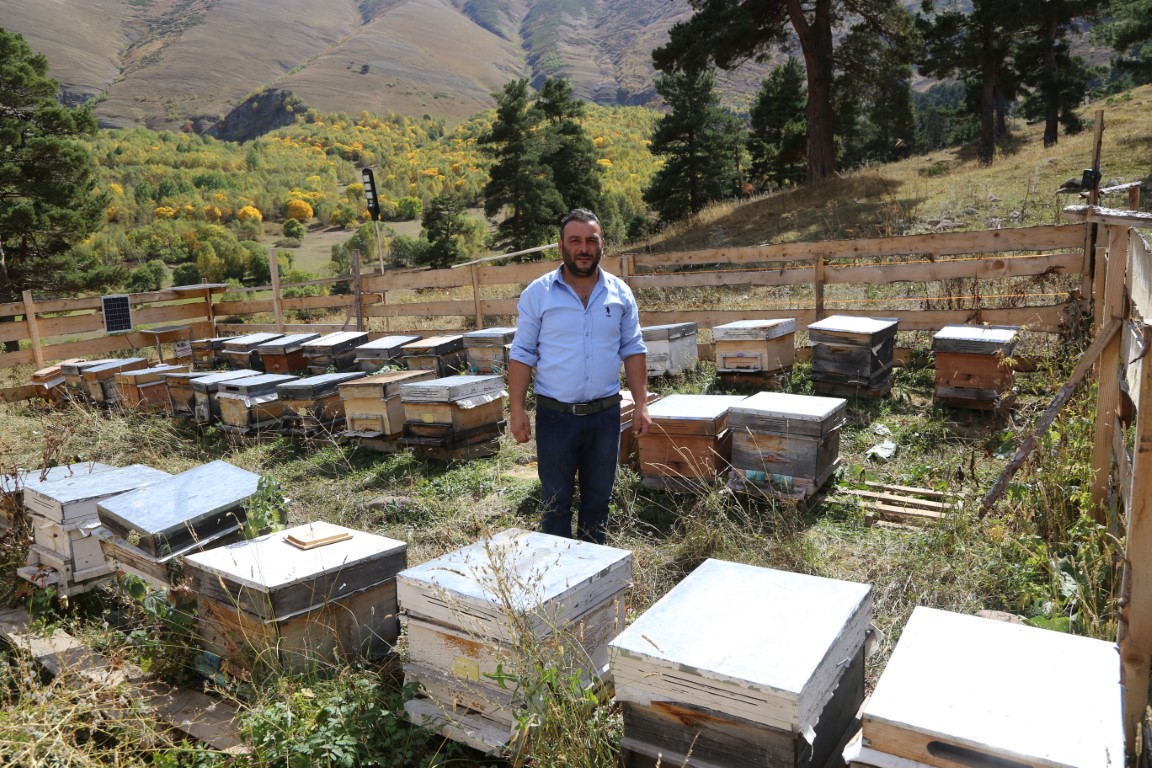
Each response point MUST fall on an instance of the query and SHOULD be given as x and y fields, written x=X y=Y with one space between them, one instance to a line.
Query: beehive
x=967 y=691
x=146 y=389
x=334 y=351
x=671 y=348
x=301 y=598
x=72 y=371
x=443 y=355
x=785 y=444
x=240 y=351
x=852 y=356
x=972 y=369
x=147 y=530
x=770 y=674
x=285 y=354
x=100 y=380
x=181 y=396
x=487 y=350
x=208 y=353
x=477 y=609
x=49 y=382
x=12 y=486
x=385 y=351
x=205 y=389
x=462 y=415
x=313 y=404
x=251 y=404
x=372 y=404
x=755 y=346
x=689 y=442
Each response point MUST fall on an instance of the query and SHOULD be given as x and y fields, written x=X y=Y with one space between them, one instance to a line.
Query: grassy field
x=1037 y=556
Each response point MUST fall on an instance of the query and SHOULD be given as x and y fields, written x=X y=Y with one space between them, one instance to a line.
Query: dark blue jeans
x=567 y=446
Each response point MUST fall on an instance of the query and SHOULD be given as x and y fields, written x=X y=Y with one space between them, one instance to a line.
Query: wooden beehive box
x=181 y=396
x=330 y=596
x=628 y=440
x=49 y=382
x=313 y=404
x=12 y=486
x=335 y=350
x=285 y=354
x=852 y=356
x=786 y=444
x=689 y=440
x=966 y=691
x=372 y=404
x=770 y=674
x=443 y=355
x=487 y=350
x=146 y=529
x=208 y=353
x=454 y=417
x=382 y=352
x=146 y=389
x=252 y=403
x=205 y=388
x=671 y=348
x=240 y=351
x=971 y=365
x=100 y=380
x=72 y=371
x=62 y=514
x=479 y=607
x=755 y=346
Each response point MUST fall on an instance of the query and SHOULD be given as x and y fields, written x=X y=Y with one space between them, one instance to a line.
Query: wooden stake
x=356 y=289
x=1108 y=392
x=476 y=297
x=33 y=328
x=274 y=271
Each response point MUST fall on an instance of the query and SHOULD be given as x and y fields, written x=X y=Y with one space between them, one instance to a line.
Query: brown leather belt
x=578 y=409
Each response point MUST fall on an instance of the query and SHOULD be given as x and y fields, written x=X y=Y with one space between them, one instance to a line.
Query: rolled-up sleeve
x=525 y=345
x=631 y=336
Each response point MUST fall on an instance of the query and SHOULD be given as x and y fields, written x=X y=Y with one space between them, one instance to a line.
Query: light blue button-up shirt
x=577 y=350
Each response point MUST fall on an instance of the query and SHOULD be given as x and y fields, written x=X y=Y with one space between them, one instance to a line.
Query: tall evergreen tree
x=701 y=144
x=875 y=120
x=1058 y=80
x=1130 y=35
x=49 y=199
x=443 y=222
x=520 y=184
x=777 y=141
x=568 y=150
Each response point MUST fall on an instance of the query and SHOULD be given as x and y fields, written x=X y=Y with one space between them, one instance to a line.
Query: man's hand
x=520 y=425
x=641 y=421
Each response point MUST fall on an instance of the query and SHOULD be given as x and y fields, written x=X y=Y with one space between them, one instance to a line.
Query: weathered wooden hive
x=967 y=691
x=63 y=514
x=73 y=372
x=671 y=348
x=299 y=599
x=785 y=444
x=100 y=380
x=335 y=350
x=285 y=354
x=206 y=388
x=181 y=396
x=743 y=667
x=374 y=355
x=240 y=351
x=760 y=347
x=49 y=381
x=443 y=355
x=487 y=350
x=146 y=532
x=312 y=404
x=628 y=441
x=12 y=486
x=852 y=356
x=472 y=615
x=146 y=389
x=251 y=404
x=454 y=416
x=208 y=354
x=689 y=443
x=372 y=404
x=971 y=366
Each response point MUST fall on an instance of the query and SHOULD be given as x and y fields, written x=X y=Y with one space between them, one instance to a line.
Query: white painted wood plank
x=693 y=407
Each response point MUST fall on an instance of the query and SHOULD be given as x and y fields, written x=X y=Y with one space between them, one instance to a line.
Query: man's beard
x=572 y=268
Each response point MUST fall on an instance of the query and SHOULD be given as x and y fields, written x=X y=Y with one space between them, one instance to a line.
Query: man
x=577 y=324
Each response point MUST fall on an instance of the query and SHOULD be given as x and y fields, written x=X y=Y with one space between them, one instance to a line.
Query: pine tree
x=1130 y=35
x=49 y=199
x=443 y=222
x=701 y=144
x=777 y=142
x=568 y=150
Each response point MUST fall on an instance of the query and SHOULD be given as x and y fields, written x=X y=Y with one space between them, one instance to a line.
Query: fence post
x=274 y=272
x=356 y=289
x=33 y=329
x=476 y=296
x=818 y=286
x=1108 y=389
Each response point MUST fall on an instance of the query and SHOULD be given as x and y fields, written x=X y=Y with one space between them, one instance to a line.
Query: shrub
x=294 y=229
x=298 y=209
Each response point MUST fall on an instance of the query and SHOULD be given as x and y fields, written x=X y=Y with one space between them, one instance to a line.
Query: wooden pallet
x=901 y=505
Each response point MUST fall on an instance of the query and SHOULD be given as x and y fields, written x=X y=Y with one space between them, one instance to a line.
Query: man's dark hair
x=579 y=214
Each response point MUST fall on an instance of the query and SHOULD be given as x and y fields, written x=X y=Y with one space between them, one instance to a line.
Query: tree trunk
x=986 y=149
x=816 y=44
x=1051 y=81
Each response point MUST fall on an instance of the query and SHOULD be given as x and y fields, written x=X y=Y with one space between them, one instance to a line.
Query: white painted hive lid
x=754 y=329
x=388 y=344
x=693 y=407
x=852 y=324
x=789 y=406
x=167 y=505
x=97 y=485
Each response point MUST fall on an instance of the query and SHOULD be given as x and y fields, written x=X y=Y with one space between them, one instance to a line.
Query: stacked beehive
x=147 y=531
x=240 y=351
x=49 y=381
x=63 y=514
x=300 y=598
x=181 y=396
x=208 y=354
x=784 y=444
x=146 y=389
x=689 y=444
x=759 y=350
x=100 y=380
x=373 y=412
x=206 y=388
x=487 y=350
x=852 y=356
x=285 y=354
x=963 y=691
x=382 y=352
x=73 y=373
x=770 y=675
x=971 y=366
x=312 y=405
x=454 y=417
x=443 y=355
x=336 y=351
x=251 y=404
x=476 y=616
x=671 y=348
x=12 y=486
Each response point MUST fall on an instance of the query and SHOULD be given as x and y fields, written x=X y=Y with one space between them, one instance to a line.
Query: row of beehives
x=736 y=666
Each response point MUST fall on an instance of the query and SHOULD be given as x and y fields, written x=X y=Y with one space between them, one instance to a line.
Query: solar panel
x=117 y=313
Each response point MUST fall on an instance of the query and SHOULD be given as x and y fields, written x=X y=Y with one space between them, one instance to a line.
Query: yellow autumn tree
x=249 y=212
x=298 y=209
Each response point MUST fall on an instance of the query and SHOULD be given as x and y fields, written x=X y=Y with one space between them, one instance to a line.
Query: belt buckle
x=582 y=409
